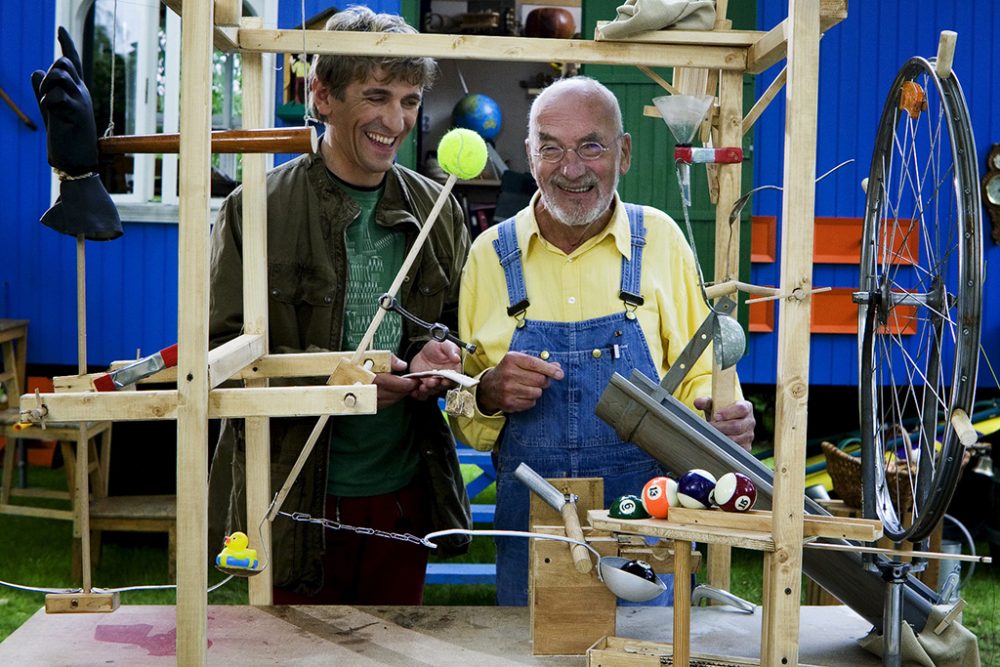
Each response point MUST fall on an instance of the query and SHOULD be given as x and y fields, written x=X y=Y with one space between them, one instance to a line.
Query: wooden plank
x=569 y=610
x=225 y=360
x=37 y=512
x=739 y=38
x=764 y=100
x=744 y=539
x=304 y=364
x=623 y=652
x=191 y=402
x=74 y=603
x=773 y=45
x=688 y=50
x=255 y=314
x=223 y=37
x=727 y=264
x=865 y=530
x=682 y=603
x=780 y=635
x=257 y=402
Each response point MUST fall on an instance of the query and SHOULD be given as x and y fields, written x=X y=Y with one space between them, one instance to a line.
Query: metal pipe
x=267 y=140
x=641 y=412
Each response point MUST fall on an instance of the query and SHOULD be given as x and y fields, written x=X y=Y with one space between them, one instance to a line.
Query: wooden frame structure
x=197 y=397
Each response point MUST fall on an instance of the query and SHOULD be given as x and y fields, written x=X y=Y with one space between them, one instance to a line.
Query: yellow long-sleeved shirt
x=581 y=286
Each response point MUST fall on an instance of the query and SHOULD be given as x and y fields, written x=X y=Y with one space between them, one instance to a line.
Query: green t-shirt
x=371 y=454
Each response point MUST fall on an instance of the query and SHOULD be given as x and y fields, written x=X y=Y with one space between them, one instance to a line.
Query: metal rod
x=17 y=110
x=267 y=140
x=933 y=555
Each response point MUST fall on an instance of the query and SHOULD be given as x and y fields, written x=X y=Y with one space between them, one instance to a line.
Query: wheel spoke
x=921 y=273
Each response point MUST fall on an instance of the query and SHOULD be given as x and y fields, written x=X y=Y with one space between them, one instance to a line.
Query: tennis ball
x=462 y=152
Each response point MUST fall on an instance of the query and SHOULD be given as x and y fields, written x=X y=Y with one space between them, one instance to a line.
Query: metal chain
x=360 y=530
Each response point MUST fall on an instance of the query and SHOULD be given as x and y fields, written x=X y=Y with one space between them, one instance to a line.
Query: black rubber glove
x=67 y=111
x=84 y=206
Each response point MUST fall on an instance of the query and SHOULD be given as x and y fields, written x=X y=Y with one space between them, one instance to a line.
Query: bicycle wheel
x=920 y=301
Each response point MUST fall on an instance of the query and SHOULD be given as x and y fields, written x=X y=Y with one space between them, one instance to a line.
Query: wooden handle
x=581 y=557
x=267 y=140
x=946 y=53
x=964 y=429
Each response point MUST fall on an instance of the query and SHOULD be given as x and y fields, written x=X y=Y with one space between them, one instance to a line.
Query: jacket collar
x=393 y=209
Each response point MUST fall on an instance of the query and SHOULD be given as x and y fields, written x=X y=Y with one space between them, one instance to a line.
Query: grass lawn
x=36 y=552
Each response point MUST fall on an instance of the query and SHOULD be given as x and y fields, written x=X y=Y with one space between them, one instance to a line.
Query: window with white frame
x=131 y=57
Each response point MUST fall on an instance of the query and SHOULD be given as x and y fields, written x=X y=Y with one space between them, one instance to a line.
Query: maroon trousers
x=367 y=569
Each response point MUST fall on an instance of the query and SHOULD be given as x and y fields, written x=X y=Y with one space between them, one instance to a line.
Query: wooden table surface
x=241 y=636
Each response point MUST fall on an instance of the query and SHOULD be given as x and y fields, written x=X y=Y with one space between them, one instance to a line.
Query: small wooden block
x=346 y=373
x=76 y=383
x=81 y=603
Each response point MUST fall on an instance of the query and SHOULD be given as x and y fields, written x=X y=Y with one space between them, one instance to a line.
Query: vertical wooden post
x=81 y=503
x=798 y=211
x=727 y=265
x=192 y=332
x=228 y=12
x=258 y=432
x=682 y=603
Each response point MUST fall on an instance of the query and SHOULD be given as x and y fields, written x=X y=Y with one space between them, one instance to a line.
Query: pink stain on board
x=162 y=644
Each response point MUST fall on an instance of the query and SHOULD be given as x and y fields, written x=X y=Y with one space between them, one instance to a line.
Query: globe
x=479 y=113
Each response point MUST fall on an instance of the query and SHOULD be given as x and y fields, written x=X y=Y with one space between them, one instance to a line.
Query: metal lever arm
x=437 y=331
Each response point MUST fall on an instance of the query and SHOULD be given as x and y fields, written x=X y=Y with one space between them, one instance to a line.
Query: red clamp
x=689 y=155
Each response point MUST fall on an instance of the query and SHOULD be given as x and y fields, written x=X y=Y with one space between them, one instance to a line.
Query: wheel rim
x=920 y=301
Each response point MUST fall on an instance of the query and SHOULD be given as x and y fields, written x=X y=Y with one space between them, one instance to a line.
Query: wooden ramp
x=141 y=636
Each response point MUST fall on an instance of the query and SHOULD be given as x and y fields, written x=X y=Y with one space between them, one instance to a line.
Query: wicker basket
x=845 y=471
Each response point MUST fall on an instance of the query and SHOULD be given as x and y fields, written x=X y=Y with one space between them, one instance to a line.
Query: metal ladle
x=622 y=583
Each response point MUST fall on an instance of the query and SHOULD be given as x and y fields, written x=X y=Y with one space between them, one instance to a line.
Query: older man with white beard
x=577 y=286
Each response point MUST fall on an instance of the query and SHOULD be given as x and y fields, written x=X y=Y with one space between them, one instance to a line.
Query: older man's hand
x=735 y=421
x=515 y=384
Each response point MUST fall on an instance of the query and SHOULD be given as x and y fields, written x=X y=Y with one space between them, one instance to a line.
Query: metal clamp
x=437 y=331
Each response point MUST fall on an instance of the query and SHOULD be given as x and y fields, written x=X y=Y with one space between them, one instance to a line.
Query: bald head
x=581 y=88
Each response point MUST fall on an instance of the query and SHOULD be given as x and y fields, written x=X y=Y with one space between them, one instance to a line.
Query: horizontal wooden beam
x=865 y=530
x=230 y=358
x=689 y=48
x=737 y=38
x=224 y=37
x=305 y=364
x=743 y=539
x=267 y=140
x=772 y=45
x=222 y=403
x=37 y=512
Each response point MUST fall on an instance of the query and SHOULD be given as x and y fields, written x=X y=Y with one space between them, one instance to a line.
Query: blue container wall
x=132 y=281
x=859 y=59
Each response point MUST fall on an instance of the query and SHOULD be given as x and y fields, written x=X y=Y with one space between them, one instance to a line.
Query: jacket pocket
x=301 y=309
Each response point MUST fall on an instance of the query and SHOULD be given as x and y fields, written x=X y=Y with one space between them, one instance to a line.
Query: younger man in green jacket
x=339 y=225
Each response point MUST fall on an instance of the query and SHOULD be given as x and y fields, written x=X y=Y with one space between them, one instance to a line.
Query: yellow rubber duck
x=236 y=557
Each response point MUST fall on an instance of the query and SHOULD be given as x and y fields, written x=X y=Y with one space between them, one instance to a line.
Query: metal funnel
x=683 y=114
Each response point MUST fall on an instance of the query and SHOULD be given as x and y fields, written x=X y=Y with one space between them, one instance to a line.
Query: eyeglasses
x=590 y=150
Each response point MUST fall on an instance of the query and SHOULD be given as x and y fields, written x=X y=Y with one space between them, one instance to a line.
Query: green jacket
x=307 y=273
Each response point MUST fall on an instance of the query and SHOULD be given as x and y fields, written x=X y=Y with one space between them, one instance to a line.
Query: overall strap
x=631 y=280
x=510 y=259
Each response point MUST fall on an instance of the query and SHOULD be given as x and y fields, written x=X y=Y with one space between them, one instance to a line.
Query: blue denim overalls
x=562 y=436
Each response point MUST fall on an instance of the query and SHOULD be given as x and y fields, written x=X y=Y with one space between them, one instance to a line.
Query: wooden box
x=622 y=652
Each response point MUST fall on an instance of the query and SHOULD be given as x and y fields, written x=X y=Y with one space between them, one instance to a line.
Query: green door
x=652 y=178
